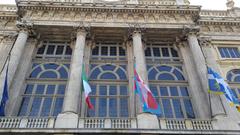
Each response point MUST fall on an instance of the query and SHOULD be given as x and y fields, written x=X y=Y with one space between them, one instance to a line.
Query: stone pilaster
x=202 y=109
x=69 y=116
x=145 y=120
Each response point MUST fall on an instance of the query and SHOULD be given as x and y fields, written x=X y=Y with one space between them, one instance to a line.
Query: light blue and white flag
x=4 y=94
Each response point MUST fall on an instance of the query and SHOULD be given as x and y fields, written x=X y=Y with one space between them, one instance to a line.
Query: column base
x=147 y=121
x=67 y=120
x=223 y=122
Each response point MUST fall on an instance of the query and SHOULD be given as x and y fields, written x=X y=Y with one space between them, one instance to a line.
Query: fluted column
x=69 y=116
x=144 y=120
x=72 y=97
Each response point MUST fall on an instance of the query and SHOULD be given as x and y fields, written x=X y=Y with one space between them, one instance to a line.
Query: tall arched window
x=167 y=81
x=109 y=82
x=46 y=83
x=233 y=77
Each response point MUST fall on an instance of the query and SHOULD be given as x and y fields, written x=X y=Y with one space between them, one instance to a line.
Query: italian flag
x=87 y=88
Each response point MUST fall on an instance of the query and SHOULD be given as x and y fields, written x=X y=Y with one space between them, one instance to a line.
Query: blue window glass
x=95 y=51
x=46 y=107
x=104 y=51
x=229 y=52
x=165 y=52
x=152 y=74
x=189 y=109
x=123 y=90
x=165 y=76
x=49 y=74
x=184 y=91
x=108 y=76
x=50 y=49
x=113 y=107
x=58 y=106
x=229 y=76
x=59 y=50
x=123 y=107
x=103 y=90
x=93 y=87
x=121 y=51
x=50 y=89
x=178 y=74
x=102 y=107
x=167 y=108
x=221 y=52
x=112 y=90
x=40 y=89
x=164 y=68
x=108 y=67
x=61 y=89
x=148 y=52
x=35 y=106
x=225 y=50
x=113 y=51
x=95 y=73
x=63 y=73
x=174 y=52
x=29 y=89
x=24 y=106
x=177 y=108
x=173 y=91
x=35 y=72
x=164 y=91
x=237 y=79
x=50 y=66
x=156 y=52
x=121 y=74
x=41 y=49
x=68 y=50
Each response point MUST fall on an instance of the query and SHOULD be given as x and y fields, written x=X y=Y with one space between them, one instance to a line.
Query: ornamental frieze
x=108 y=17
x=220 y=28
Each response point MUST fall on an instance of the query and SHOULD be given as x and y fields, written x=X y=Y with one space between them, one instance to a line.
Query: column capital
x=205 y=41
x=25 y=26
x=190 y=30
x=82 y=28
x=135 y=29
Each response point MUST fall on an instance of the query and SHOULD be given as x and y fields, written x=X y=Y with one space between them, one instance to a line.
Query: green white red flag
x=87 y=89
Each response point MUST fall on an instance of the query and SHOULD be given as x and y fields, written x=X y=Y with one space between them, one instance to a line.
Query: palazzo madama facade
x=170 y=42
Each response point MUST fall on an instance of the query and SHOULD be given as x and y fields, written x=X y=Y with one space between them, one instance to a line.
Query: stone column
x=18 y=49
x=69 y=116
x=144 y=120
x=200 y=100
x=201 y=66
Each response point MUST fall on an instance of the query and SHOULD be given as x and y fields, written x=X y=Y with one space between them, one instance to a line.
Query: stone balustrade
x=105 y=123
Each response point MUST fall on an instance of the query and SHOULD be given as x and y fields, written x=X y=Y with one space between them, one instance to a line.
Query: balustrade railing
x=111 y=123
x=214 y=13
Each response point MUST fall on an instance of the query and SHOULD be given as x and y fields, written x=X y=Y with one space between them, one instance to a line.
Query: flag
x=218 y=85
x=4 y=95
x=87 y=89
x=149 y=104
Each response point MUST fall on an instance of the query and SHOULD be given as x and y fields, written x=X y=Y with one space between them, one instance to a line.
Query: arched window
x=167 y=81
x=46 y=83
x=109 y=82
x=233 y=77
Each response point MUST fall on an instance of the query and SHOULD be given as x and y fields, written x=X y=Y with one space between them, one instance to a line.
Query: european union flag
x=4 y=95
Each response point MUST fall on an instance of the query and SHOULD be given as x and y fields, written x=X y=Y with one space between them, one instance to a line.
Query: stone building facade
x=47 y=42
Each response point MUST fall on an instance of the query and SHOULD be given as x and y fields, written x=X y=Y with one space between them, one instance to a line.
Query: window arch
x=167 y=81
x=233 y=77
x=109 y=82
x=46 y=83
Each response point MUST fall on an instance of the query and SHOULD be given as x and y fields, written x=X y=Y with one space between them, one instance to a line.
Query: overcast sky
x=206 y=4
